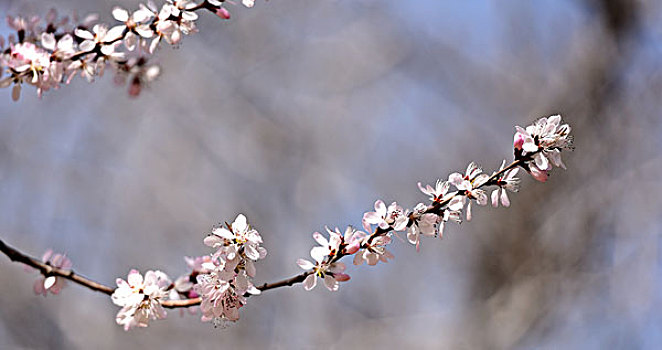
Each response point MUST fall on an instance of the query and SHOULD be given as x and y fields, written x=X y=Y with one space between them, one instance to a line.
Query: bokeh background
x=301 y=114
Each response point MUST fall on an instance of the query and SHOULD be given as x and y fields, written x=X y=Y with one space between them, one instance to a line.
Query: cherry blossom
x=393 y=216
x=140 y=298
x=330 y=273
x=46 y=57
x=230 y=241
x=470 y=184
x=225 y=276
x=135 y=26
x=52 y=284
x=374 y=251
x=425 y=224
x=543 y=141
x=506 y=182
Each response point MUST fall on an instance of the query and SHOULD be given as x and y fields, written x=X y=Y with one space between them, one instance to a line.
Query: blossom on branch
x=227 y=275
x=223 y=279
x=330 y=273
x=53 y=284
x=469 y=186
x=51 y=55
x=383 y=217
x=540 y=144
x=140 y=298
x=506 y=182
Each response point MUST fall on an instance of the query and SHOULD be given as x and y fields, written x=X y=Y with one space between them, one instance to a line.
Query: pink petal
x=342 y=277
x=319 y=253
x=49 y=282
x=330 y=283
x=320 y=239
x=380 y=208
x=134 y=278
x=455 y=178
x=305 y=264
x=504 y=199
x=495 y=198
x=310 y=282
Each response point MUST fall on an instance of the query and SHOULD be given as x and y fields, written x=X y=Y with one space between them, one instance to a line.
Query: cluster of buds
x=49 y=52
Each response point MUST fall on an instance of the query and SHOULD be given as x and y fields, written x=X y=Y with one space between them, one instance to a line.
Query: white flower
x=222 y=292
x=331 y=274
x=436 y=193
x=429 y=224
x=385 y=217
x=470 y=184
x=135 y=26
x=237 y=237
x=506 y=182
x=100 y=36
x=544 y=139
x=62 y=49
x=328 y=247
x=374 y=252
x=425 y=225
x=140 y=298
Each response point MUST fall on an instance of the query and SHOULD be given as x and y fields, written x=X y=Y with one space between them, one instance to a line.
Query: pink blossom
x=330 y=273
x=393 y=216
x=429 y=224
x=470 y=184
x=140 y=298
x=543 y=142
x=374 y=251
x=329 y=247
x=238 y=238
x=53 y=284
x=506 y=182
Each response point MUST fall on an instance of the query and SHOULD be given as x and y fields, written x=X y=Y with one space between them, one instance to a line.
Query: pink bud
x=341 y=277
x=223 y=13
x=135 y=87
x=518 y=141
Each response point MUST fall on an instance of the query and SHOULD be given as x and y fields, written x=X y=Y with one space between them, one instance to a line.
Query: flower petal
x=310 y=282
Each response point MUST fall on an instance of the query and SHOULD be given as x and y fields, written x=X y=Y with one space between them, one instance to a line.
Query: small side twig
x=48 y=270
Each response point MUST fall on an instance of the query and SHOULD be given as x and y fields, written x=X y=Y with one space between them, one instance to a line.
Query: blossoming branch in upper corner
x=49 y=52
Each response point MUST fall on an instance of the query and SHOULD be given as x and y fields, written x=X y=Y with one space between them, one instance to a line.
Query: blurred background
x=301 y=114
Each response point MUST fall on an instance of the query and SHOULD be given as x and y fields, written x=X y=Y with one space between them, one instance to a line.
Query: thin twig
x=48 y=270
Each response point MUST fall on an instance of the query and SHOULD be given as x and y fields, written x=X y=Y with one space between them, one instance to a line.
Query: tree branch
x=48 y=270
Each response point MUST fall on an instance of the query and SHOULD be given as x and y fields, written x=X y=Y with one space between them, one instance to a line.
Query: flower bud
x=341 y=277
x=518 y=141
x=223 y=13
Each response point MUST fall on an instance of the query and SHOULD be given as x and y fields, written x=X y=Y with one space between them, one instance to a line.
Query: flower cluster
x=540 y=145
x=229 y=271
x=183 y=285
x=325 y=256
x=52 y=284
x=49 y=52
x=140 y=298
